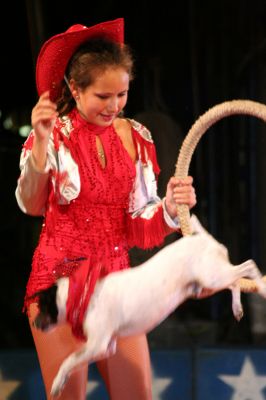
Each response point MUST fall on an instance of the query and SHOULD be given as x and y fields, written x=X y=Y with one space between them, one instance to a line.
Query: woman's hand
x=43 y=118
x=179 y=191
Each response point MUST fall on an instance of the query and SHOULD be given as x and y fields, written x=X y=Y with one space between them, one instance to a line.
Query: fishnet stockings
x=126 y=374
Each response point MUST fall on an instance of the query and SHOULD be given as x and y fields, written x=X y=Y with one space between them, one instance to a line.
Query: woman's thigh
x=52 y=348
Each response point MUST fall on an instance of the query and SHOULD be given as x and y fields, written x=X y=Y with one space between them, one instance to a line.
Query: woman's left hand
x=179 y=191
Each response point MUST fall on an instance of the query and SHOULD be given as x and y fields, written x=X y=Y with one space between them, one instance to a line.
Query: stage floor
x=185 y=374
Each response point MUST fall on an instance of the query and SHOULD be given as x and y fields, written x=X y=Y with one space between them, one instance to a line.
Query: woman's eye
x=105 y=96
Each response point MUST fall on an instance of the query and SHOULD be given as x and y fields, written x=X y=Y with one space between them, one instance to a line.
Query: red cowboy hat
x=57 y=51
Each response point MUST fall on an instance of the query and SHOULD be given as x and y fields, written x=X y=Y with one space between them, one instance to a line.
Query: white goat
x=135 y=301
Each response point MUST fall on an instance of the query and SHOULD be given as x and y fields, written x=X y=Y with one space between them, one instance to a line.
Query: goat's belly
x=142 y=316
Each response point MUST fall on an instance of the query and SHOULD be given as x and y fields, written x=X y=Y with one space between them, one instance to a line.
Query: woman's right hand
x=43 y=117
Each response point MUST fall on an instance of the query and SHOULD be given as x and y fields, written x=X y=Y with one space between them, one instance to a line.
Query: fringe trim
x=147 y=233
x=147 y=152
x=81 y=286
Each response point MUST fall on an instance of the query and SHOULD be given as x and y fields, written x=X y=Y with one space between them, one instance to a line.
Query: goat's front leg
x=236 y=302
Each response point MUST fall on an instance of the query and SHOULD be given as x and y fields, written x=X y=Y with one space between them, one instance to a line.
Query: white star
x=159 y=385
x=91 y=386
x=7 y=387
x=248 y=385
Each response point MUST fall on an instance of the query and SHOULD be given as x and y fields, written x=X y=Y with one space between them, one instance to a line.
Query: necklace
x=101 y=154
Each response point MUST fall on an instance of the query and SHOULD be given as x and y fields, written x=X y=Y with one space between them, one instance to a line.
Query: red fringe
x=81 y=286
x=147 y=233
x=27 y=145
x=59 y=136
x=147 y=152
x=59 y=178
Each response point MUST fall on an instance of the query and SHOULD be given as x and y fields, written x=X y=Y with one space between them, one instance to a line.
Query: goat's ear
x=196 y=225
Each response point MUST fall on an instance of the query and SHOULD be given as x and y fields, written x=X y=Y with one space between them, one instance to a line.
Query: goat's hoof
x=57 y=387
x=55 y=393
x=239 y=315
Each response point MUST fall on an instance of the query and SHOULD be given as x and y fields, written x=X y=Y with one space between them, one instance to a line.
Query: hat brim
x=57 y=51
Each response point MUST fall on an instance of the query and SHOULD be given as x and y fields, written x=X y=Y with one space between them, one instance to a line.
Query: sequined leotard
x=93 y=225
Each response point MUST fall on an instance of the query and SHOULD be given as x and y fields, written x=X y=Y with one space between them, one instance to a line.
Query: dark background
x=190 y=55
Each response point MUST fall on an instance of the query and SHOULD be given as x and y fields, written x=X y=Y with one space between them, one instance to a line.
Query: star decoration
x=91 y=386
x=159 y=385
x=248 y=385
x=7 y=387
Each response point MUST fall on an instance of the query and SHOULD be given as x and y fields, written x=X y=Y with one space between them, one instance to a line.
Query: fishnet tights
x=126 y=374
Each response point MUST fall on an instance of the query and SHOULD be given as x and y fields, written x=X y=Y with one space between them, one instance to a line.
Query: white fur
x=137 y=300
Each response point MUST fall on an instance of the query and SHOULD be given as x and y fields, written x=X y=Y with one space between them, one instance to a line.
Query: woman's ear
x=74 y=90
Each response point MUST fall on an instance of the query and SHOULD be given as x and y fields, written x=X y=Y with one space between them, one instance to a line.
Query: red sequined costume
x=92 y=214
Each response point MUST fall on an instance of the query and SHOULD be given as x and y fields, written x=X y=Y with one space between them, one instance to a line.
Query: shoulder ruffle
x=144 y=145
x=141 y=129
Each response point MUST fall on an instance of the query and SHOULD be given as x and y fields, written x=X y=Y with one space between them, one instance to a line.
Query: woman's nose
x=113 y=105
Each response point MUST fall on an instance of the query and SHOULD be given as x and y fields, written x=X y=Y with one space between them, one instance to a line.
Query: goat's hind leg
x=91 y=351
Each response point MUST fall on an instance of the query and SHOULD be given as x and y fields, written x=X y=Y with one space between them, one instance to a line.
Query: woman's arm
x=150 y=219
x=32 y=186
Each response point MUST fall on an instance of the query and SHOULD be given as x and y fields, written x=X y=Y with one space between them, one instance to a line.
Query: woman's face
x=101 y=102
